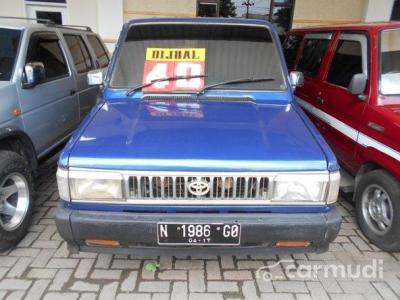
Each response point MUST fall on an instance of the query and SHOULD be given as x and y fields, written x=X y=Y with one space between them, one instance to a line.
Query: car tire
x=377 y=199
x=16 y=194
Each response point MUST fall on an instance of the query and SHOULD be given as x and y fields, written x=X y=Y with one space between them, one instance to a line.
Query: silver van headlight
x=305 y=187
x=89 y=185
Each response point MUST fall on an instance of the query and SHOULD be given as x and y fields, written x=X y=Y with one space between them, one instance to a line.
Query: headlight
x=63 y=186
x=90 y=185
x=334 y=185
x=301 y=187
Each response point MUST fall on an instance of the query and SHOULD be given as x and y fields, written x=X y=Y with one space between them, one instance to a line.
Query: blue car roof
x=201 y=20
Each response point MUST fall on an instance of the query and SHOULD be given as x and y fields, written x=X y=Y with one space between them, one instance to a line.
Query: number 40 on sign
x=163 y=63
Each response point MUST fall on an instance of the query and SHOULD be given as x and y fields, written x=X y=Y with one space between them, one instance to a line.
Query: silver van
x=44 y=95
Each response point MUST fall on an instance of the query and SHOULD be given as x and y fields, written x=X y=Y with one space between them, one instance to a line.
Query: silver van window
x=45 y=48
x=9 y=41
x=101 y=53
x=79 y=52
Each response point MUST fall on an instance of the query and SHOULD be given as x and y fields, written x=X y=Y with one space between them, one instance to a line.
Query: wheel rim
x=14 y=201
x=377 y=209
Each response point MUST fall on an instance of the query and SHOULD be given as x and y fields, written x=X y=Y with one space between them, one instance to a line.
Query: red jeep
x=351 y=92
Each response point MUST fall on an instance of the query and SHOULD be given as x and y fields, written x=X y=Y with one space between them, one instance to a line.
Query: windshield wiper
x=235 y=81
x=139 y=87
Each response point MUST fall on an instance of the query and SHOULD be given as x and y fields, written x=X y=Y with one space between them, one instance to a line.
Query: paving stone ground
x=42 y=268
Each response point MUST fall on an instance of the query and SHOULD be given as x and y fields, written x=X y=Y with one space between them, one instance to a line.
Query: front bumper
x=137 y=232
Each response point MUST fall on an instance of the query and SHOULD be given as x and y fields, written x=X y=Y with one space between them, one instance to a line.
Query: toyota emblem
x=198 y=187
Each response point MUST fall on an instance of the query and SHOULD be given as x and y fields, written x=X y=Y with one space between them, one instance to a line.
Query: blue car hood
x=197 y=136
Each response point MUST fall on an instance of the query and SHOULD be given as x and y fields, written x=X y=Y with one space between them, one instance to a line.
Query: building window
x=278 y=12
x=396 y=11
x=54 y=16
x=281 y=14
x=48 y=1
x=207 y=9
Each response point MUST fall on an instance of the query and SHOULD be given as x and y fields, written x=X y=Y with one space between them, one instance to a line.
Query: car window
x=290 y=49
x=220 y=52
x=390 y=62
x=100 y=51
x=9 y=41
x=346 y=62
x=45 y=48
x=311 y=58
x=79 y=52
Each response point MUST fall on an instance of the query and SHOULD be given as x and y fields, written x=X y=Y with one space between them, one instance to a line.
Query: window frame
x=328 y=36
x=79 y=37
x=360 y=37
x=207 y=2
x=46 y=80
x=298 y=51
x=98 y=66
x=290 y=4
x=393 y=16
x=117 y=55
x=379 y=62
x=17 y=53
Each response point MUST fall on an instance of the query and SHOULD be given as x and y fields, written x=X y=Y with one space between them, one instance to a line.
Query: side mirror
x=95 y=77
x=34 y=74
x=296 y=79
x=357 y=84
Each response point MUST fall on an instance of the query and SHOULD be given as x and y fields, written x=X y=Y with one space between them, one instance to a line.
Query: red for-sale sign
x=172 y=62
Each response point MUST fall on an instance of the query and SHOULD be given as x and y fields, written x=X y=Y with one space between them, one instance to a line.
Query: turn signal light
x=107 y=243
x=293 y=243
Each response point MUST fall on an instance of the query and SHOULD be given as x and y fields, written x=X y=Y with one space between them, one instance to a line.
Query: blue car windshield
x=9 y=41
x=220 y=52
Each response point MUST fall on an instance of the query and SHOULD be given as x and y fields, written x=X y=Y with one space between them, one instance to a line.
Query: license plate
x=198 y=234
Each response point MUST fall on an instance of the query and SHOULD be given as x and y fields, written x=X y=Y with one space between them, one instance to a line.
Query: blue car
x=197 y=147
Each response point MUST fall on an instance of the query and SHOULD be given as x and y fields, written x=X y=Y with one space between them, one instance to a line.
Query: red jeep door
x=314 y=50
x=340 y=110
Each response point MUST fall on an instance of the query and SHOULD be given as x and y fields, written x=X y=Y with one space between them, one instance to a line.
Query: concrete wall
x=83 y=13
x=13 y=8
x=319 y=12
x=110 y=20
x=134 y=9
x=378 y=10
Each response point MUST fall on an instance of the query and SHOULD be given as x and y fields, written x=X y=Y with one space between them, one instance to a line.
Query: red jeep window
x=313 y=53
x=290 y=49
x=390 y=62
x=346 y=62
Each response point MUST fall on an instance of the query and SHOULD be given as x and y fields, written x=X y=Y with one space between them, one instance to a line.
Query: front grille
x=194 y=187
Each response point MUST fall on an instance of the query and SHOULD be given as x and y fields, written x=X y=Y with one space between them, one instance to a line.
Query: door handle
x=320 y=100
x=72 y=92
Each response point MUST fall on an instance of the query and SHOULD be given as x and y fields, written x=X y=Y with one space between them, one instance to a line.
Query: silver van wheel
x=14 y=201
x=377 y=209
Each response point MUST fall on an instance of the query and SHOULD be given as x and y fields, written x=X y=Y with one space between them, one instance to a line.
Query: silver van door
x=50 y=107
x=83 y=63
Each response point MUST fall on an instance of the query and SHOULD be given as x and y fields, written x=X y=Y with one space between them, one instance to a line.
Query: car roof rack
x=45 y=21
x=49 y=22
x=82 y=27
